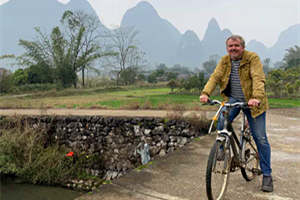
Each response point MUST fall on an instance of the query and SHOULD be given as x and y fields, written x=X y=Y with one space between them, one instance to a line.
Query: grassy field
x=117 y=98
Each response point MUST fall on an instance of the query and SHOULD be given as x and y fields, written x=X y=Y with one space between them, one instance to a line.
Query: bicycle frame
x=229 y=153
x=228 y=134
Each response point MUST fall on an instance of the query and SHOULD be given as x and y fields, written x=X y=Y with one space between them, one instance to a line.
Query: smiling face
x=234 y=49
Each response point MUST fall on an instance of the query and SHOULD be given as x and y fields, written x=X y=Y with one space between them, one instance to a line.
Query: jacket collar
x=245 y=58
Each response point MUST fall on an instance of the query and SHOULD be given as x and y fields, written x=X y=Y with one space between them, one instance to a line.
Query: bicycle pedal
x=257 y=171
x=233 y=169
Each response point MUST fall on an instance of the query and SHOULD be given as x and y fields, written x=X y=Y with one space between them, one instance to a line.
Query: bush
x=34 y=88
x=26 y=153
x=20 y=77
x=173 y=84
x=40 y=73
x=23 y=153
x=93 y=82
x=6 y=82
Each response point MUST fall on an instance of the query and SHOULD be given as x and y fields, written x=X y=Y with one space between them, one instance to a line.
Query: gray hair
x=237 y=37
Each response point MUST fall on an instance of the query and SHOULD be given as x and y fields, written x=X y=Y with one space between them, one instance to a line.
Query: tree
x=292 y=57
x=278 y=64
x=66 y=52
x=10 y=60
x=172 y=84
x=210 y=65
x=129 y=75
x=40 y=73
x=5 y=80
x=276 y=82
x=177 y=68
x=20 y=77
x=171 y=75
x=284 y=80
x=50 y=52
x=162 y=67
x=266 y=65
x=123 y=42
x=83 y=37
x=152 y=78
x=202 y=81
x=141 y=76
x=197 y=81
x=292 y=81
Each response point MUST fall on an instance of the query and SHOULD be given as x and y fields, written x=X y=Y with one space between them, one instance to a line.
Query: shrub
x=172 y=84
x=25 y=152
x=6 y=82
x=199 y=122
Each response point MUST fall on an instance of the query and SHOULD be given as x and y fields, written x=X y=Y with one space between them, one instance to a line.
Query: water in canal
x=13 y=191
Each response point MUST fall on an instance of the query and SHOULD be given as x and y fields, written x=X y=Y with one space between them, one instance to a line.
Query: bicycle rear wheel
x=250 y=158
x=217 y=172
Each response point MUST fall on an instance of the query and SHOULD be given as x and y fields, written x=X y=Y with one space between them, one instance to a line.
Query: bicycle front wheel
x=250 y=158
x=217 y=172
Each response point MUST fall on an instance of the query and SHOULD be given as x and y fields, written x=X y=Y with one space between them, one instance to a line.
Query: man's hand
x=204 y=98
x=253 y=102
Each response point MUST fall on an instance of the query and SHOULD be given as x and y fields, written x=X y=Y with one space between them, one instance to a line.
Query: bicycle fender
x=221 y=138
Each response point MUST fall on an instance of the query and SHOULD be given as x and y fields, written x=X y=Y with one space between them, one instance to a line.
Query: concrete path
x=181 y=174
x=85 y=112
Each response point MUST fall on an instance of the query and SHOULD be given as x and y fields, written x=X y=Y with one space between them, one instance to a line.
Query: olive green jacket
x=252 y=79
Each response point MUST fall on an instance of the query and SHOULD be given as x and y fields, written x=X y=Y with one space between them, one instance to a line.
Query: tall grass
x=23 y=154
x=27 y=153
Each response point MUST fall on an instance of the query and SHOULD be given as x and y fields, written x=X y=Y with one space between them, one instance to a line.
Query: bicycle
x=230 y=153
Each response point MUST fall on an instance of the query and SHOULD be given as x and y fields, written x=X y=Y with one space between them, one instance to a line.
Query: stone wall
x=117 y=144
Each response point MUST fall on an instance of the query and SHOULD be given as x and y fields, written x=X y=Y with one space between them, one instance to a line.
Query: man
x=241 y=78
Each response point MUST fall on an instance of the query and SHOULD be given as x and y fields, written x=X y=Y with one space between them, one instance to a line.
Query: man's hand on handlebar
x=204 y=98
x=253 y=102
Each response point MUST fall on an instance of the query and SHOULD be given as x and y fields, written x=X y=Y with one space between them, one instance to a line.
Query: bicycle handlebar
x=222 y=104
x=238 y=104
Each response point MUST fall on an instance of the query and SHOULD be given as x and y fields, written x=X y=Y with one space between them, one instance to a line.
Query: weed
x=147 y=105
x=139 y=168
x=132 y=106
x=106 y=182
x=23 y=153
x=26 y=152
x=61 y=106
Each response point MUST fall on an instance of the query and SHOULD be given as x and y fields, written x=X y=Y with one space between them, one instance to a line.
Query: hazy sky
x=262 y=20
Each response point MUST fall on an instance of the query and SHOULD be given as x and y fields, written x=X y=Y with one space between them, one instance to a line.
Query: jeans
x=258 y=131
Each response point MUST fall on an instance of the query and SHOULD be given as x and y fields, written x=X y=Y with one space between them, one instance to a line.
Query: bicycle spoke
x=251 y=160
x=217 y=173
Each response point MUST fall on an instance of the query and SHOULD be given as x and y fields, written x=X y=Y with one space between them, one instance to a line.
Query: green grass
x=61 y=106
x=279 y=102
x=152 y=100
x=119 y=98
x=284 y=103
x=112 y=103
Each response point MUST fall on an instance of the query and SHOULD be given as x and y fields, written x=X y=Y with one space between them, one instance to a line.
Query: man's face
x=234 y=49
